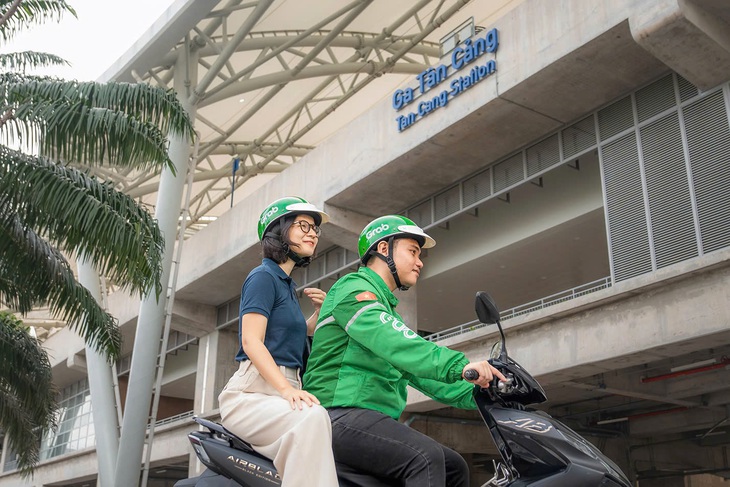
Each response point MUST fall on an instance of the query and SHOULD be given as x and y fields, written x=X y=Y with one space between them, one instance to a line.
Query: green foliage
x=49 y=208
x=27 y=396
x=18 y=15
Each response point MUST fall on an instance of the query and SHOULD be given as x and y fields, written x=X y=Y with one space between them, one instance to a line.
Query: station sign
x=470 y=53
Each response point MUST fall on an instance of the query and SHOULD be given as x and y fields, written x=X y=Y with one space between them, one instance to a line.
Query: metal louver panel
x=335 y=259
x=446 y=203
x=615 y=118
x=670 y=205
x=543 y=155
x=686 y=89
x=708 y=140
x=421 y=214
x=477 y=188
x=508 y=172
x=579 y=137
x=655 y=98
x=316 y=269
x=625 y=209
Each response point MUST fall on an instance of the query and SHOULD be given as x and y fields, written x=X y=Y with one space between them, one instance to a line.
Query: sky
x=104 y=30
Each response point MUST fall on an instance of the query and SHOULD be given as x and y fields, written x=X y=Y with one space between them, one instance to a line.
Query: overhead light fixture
x=694 y=365
x=614 y=420
x=241 y=100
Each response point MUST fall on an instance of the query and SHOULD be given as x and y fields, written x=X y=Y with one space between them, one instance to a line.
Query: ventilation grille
x=615 y=118
x=421 y=214
x=335 y=259
x=687 y=90
x=446 y=203
x=708 y=139
x=477 y=188
x=316 y=269
x=579 y=137
x=625 y=209
x=670 y=205
x=655 y=98
x=543 y=155
x=508 y=172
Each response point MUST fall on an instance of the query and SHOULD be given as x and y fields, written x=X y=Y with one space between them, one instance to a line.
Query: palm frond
x=16 y=15
x=94 y=123
x=33 y=272
x=84 y=216
x=26 y=60
x=27 y=396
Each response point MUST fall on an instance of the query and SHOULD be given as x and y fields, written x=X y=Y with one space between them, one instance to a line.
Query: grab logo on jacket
x=397 y=325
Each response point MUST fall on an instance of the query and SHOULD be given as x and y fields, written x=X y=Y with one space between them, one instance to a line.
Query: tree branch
x=11 y=11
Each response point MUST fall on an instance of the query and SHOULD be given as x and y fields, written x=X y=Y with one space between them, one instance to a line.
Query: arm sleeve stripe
x=361 y=311
x=325 y=321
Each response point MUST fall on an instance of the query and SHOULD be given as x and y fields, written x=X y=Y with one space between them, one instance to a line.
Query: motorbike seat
x=222 y=430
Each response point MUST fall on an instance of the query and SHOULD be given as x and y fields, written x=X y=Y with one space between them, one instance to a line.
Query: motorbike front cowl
x=540 y=451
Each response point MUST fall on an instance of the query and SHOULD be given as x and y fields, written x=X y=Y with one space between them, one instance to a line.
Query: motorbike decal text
x=252 y=468
x=528 y=424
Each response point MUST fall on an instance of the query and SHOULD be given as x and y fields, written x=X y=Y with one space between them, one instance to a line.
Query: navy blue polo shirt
x=269 y=291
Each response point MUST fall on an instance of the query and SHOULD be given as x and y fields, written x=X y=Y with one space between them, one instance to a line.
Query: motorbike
x=536 y=449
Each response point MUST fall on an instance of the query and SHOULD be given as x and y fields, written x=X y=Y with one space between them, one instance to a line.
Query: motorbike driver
x=364 y=355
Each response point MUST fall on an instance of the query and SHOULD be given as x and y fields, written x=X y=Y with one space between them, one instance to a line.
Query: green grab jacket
x=364 y=356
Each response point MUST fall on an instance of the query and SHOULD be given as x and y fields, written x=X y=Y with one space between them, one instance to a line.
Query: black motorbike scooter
x=536 y=449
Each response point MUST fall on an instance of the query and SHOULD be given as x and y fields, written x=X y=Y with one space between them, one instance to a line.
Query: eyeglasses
x=306 y=227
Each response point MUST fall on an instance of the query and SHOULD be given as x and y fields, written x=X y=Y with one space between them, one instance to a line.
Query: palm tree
x=51 y=206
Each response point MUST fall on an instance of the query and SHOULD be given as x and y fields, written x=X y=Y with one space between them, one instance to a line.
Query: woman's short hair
x=275 y=243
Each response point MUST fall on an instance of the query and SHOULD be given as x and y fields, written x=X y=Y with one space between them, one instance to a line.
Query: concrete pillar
x=101 y=386
x=152 y=311
x=216 y=364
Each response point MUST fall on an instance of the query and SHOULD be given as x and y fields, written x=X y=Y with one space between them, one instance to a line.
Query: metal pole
x=168 y=317
x=101 y=385
x=152 y=311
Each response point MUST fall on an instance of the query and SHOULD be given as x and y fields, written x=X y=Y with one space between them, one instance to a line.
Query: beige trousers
x=298 y=441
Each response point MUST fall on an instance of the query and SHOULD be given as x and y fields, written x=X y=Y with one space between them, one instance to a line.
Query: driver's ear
x=383 y=247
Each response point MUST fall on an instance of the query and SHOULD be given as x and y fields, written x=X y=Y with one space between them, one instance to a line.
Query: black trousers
x=392 y=453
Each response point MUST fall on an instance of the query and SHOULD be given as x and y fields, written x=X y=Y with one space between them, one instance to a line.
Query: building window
x=75 y=424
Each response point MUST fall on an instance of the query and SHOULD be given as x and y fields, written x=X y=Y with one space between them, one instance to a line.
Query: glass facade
x=75 y=423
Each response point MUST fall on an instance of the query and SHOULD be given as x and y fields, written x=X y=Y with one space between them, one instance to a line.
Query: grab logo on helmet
x=382 y=228
x=268 y=214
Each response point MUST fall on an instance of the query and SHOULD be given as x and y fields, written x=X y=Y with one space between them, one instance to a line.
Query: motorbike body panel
x=542 y=451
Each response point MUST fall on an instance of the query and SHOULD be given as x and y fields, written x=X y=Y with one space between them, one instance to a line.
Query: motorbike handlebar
x=502 y=386
x=471 y=374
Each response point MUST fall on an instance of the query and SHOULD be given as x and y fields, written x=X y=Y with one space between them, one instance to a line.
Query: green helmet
x=387 y=226
x=287 y=206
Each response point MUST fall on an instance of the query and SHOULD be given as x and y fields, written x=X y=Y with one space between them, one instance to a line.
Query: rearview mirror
x=487 y=311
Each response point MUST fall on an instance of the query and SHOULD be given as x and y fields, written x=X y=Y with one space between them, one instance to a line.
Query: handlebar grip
x=471 y=374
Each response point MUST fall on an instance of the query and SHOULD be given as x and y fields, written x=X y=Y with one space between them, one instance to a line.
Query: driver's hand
x=298 y=396
x=487 y=373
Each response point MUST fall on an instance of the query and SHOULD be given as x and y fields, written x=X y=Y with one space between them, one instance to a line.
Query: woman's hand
x=297 y=396
x=316 y=295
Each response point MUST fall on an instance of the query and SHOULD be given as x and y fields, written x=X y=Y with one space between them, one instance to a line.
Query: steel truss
x=236 y=56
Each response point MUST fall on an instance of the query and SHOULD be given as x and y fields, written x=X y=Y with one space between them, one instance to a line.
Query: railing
x=522 y=309
x=177 y=417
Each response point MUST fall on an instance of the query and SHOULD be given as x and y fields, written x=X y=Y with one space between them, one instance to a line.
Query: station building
x=570 y=157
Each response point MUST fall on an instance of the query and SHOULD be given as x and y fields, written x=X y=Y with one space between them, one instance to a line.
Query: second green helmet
x=287 y=206
x=384 y=227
